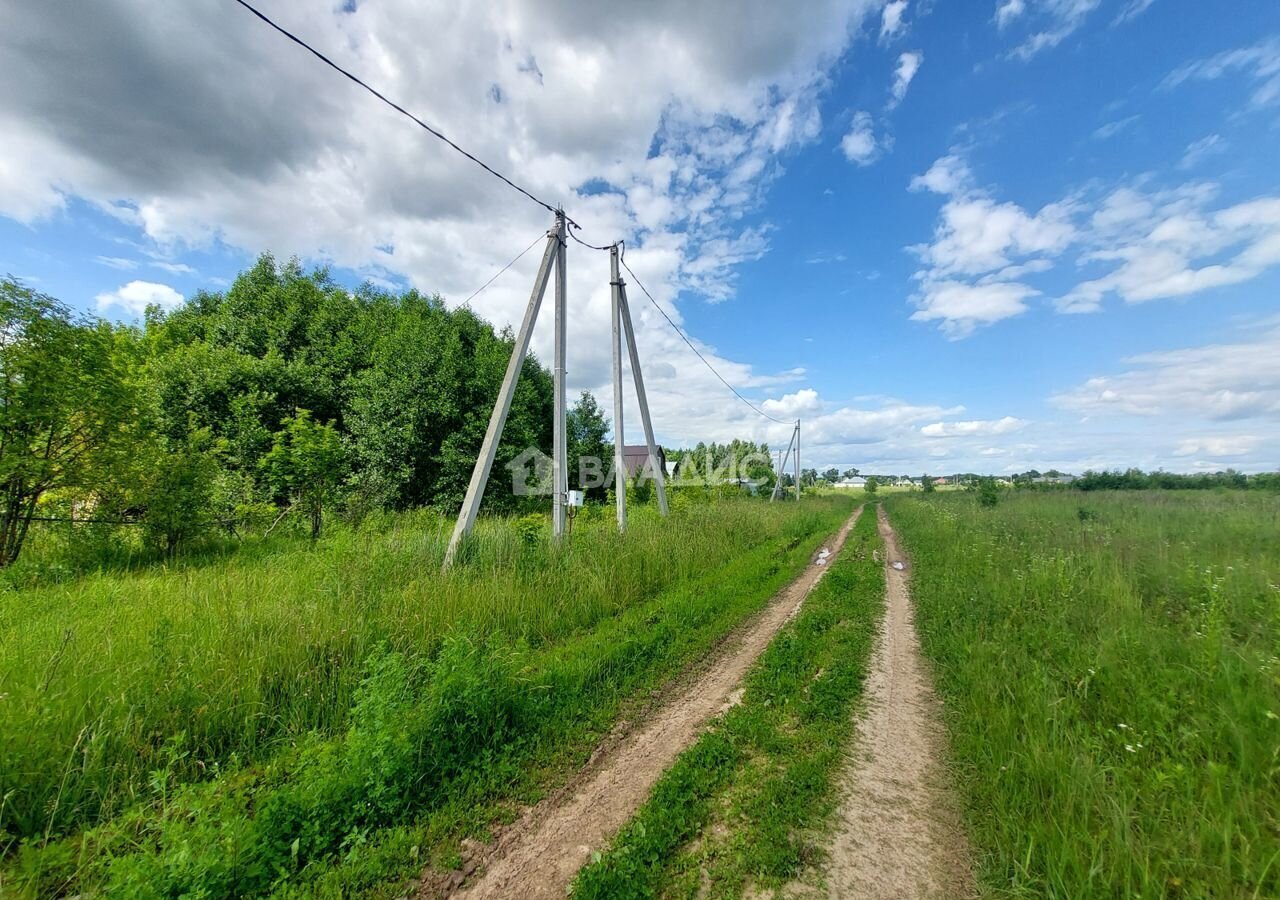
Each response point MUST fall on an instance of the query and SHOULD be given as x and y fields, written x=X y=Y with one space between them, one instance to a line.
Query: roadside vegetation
x=261 y=721
x=1110 y=665
x=741 y=809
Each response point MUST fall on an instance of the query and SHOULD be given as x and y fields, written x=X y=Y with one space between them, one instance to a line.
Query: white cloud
x=948 y=175
x=1008 y=10
x=960 y=308
x=1215 y=383
x=1134 y=9
x=1164 y=244
x=859 y=145
x=238 y=137
x=891 y=21
x=1111 y=129
x=1260 y=63
x=1153 y=244
x=908 y=65
x=175 y=268
x=1057 y=20
x=134 y=298
x=116 y=262
x=1218 y=447
x=1198 y=151
x=984 y=427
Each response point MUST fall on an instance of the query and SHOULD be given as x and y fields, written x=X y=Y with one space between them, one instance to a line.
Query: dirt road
x=898 y=834
x=539 y=855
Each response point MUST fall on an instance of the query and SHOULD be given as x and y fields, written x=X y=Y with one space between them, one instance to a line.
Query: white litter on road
x=898 y=565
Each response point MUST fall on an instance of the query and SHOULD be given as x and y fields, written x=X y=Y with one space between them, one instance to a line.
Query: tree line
x=285 y=393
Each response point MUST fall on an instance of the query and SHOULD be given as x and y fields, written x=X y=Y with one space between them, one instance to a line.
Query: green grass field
x=299 y=716
x=743 y=808
x=1110 y=664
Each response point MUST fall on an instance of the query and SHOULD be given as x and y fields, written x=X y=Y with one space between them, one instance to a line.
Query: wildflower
x=1123 y=726
x=1130 y=748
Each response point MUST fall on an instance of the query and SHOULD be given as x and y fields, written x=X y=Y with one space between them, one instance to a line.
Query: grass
x=740 y=809
x=1110 y=664
x=325 y=719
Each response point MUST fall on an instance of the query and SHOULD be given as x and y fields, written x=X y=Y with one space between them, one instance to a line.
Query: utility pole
x=619 y=460
x=559 y=450
x=654 y=462
x=798 y=458
x=782 y=462
x=553 y=256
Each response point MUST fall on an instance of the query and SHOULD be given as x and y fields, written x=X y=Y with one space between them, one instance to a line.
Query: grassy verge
x=1111 y=669
x=738 y=809
x=440 y=737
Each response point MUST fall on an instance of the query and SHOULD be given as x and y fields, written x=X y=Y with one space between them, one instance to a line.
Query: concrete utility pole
x=655 y=463
x=782 y=463
x=559 y=449
x=619 y=461
x=798 y=458
x=554 y=255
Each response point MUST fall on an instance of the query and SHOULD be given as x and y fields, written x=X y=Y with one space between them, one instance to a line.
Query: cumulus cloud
x=908 y=65
x=891 y=21
x=134 y=298
x=1151 y=245
x=1218 y=447
x=198 y=126
x=860 y=145
x=1008 y=10
x=1162 y=244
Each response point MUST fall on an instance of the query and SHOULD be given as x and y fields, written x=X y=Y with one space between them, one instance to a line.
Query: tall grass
x=184 y=669
x=1111 y=670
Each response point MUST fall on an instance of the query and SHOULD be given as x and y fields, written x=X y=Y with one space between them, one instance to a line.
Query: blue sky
x=948 y=236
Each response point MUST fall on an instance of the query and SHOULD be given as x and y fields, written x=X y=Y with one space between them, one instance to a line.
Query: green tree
x=307 y=463
x=926 y=484
x=851 y=472
x=831 y=476
x=988 y=492
x=65 y=402
x=872 y=485
x=589 y=454
x=808 y=477
x=176 y=485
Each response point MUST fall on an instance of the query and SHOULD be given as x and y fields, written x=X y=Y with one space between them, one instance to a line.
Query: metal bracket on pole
x=501 y=407
x=654 y=462
x=619 y=459
x=559 y=450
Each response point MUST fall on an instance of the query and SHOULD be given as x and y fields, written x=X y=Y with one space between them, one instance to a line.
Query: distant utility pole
x=798 y=458
x=622 y=327
x=782 y=463
x=553 y=256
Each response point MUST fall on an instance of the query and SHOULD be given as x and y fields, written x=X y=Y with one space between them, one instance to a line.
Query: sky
x=989 y=235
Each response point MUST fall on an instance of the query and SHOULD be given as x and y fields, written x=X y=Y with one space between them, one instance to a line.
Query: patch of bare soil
x=539 y=855
x=899 y=833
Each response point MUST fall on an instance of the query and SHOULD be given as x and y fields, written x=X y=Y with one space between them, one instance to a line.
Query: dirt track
x=540 y=854
x=899 y=834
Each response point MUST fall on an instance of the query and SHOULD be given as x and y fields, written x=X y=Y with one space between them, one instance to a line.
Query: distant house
x=635 y=459
x=905 y=482
x=941 y=481
x=857 y=481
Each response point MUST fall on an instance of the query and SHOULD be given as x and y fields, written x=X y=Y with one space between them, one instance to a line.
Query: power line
x=397 y=107
x=705 y=362
x=477 y=291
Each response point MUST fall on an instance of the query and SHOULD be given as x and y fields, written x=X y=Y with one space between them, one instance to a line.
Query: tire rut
x=539 y=855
